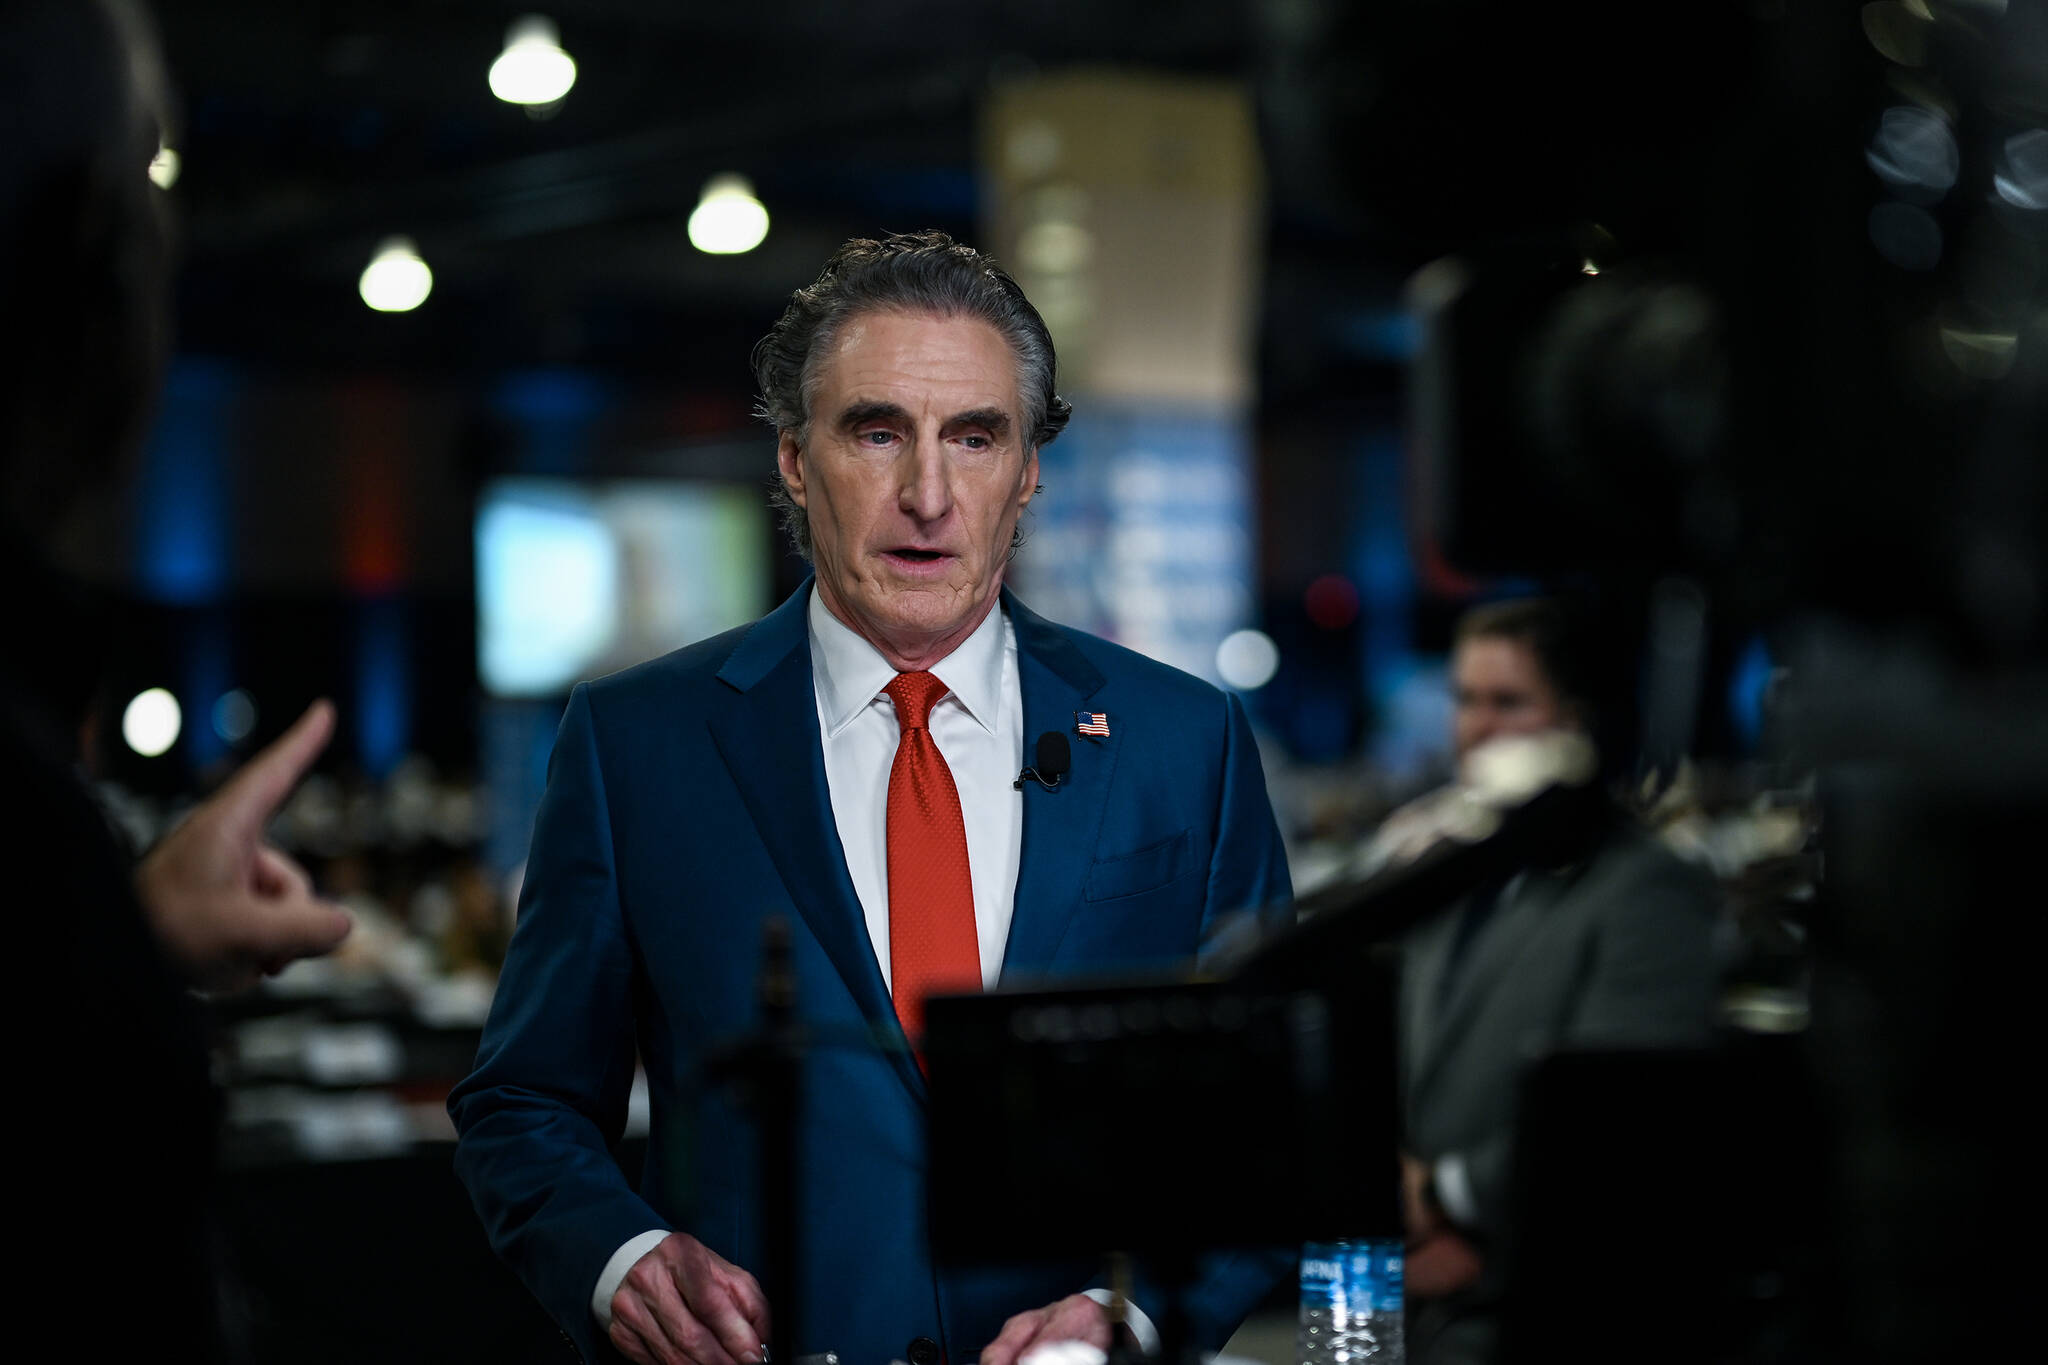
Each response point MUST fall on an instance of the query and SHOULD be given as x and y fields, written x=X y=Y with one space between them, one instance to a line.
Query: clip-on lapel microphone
x=1054 y=758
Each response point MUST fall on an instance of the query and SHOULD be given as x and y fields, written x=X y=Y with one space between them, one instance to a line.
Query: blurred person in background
x=117 y=1100
x=849 y=763
x=1611 y=949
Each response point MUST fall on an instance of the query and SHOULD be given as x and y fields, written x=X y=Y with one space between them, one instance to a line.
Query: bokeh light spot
x=234 y=716
x=1331 y=602
x=151 y=722
x=1247 y=660
x=728 y=218
x=1915 y=153
x=397 y=279
x=533 y=69
x=1906 y=236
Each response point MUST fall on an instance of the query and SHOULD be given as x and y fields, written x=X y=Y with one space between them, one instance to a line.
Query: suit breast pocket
x=1146 y=869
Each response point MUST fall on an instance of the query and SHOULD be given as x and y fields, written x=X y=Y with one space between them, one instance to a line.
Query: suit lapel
x=1060 y=826
x=1498 y=945
x=769 y=740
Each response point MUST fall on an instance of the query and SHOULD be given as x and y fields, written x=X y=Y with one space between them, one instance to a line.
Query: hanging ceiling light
x=396 y=279
x=533 y=68
x=728 y=218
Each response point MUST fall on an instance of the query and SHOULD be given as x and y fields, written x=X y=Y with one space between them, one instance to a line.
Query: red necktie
x=932 y=947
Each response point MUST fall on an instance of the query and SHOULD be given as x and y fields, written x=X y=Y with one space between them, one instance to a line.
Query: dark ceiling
x=1390 y=131
x=313 y=130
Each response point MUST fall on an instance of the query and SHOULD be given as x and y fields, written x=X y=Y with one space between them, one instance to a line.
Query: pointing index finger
x=254 y=794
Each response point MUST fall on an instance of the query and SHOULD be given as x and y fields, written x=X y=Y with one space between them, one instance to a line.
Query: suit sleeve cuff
x=1454 y=1189
x=1135 y=1318
x=614 y=1273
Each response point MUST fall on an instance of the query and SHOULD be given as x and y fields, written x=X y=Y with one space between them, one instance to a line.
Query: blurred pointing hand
x=226 y=905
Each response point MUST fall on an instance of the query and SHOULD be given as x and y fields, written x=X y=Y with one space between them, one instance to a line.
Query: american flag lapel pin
x=1095 y=723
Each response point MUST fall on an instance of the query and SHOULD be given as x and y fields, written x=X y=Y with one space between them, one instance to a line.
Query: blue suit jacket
x=686 y=802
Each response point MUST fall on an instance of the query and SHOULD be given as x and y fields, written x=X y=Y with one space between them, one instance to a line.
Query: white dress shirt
x=979 y=728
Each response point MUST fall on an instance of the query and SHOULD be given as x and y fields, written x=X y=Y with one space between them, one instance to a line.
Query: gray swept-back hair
x=910 y=272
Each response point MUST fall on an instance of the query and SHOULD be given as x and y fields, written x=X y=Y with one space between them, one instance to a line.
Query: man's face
x=913 y=475
x=1499 y=689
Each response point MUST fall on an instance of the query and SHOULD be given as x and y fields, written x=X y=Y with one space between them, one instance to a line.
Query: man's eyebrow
x=994 y=421
x=872 y=410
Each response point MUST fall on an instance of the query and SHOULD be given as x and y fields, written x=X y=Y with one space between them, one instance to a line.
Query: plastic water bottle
x=1351 y=1304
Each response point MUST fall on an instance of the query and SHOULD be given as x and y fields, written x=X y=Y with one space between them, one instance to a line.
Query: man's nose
x=924 y=491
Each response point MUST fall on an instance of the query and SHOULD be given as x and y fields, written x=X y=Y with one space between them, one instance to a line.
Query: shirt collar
x=850 y=673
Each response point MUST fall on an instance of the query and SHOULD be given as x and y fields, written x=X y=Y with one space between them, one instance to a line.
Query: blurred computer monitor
x=578 y=578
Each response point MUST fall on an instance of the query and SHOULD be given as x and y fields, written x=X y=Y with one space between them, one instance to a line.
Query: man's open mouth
x=922 y=556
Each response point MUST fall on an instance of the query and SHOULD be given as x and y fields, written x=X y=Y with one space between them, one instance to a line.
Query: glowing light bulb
x=164 y=168
x=396 y=279
x=728 y=218
x=151 y=722
x=533 y=68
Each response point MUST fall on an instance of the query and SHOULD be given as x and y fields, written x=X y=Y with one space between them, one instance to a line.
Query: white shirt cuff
x=1454 y=1189
x=1134 y=1318
x=615 y=1270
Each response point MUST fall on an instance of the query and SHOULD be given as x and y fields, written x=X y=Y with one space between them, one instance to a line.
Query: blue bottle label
x=1323 y=1270
x=1388 y=1274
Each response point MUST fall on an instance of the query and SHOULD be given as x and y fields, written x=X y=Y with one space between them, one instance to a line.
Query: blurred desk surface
x=383 y=1259
x=344 y=1234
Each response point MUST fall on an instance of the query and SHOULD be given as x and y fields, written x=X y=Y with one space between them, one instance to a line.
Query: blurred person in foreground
x=117 y=1089
x=1611 y=950
x=848 y=763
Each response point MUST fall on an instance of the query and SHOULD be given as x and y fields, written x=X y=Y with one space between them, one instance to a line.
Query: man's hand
x=225 y=904
x=1423 y=1217
x=1442 y=1264
x=683 y=1304
x=1074 y=1318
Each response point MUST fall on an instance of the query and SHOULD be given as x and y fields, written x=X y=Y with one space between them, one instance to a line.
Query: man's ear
x=789 y=458
x=1027 y=483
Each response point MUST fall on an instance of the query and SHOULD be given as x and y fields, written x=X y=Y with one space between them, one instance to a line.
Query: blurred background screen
x=575 y=579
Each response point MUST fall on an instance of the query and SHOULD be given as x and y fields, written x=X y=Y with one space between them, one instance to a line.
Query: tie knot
x=915 y=694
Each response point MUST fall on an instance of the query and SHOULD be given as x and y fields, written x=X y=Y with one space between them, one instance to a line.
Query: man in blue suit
x=846 y=762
